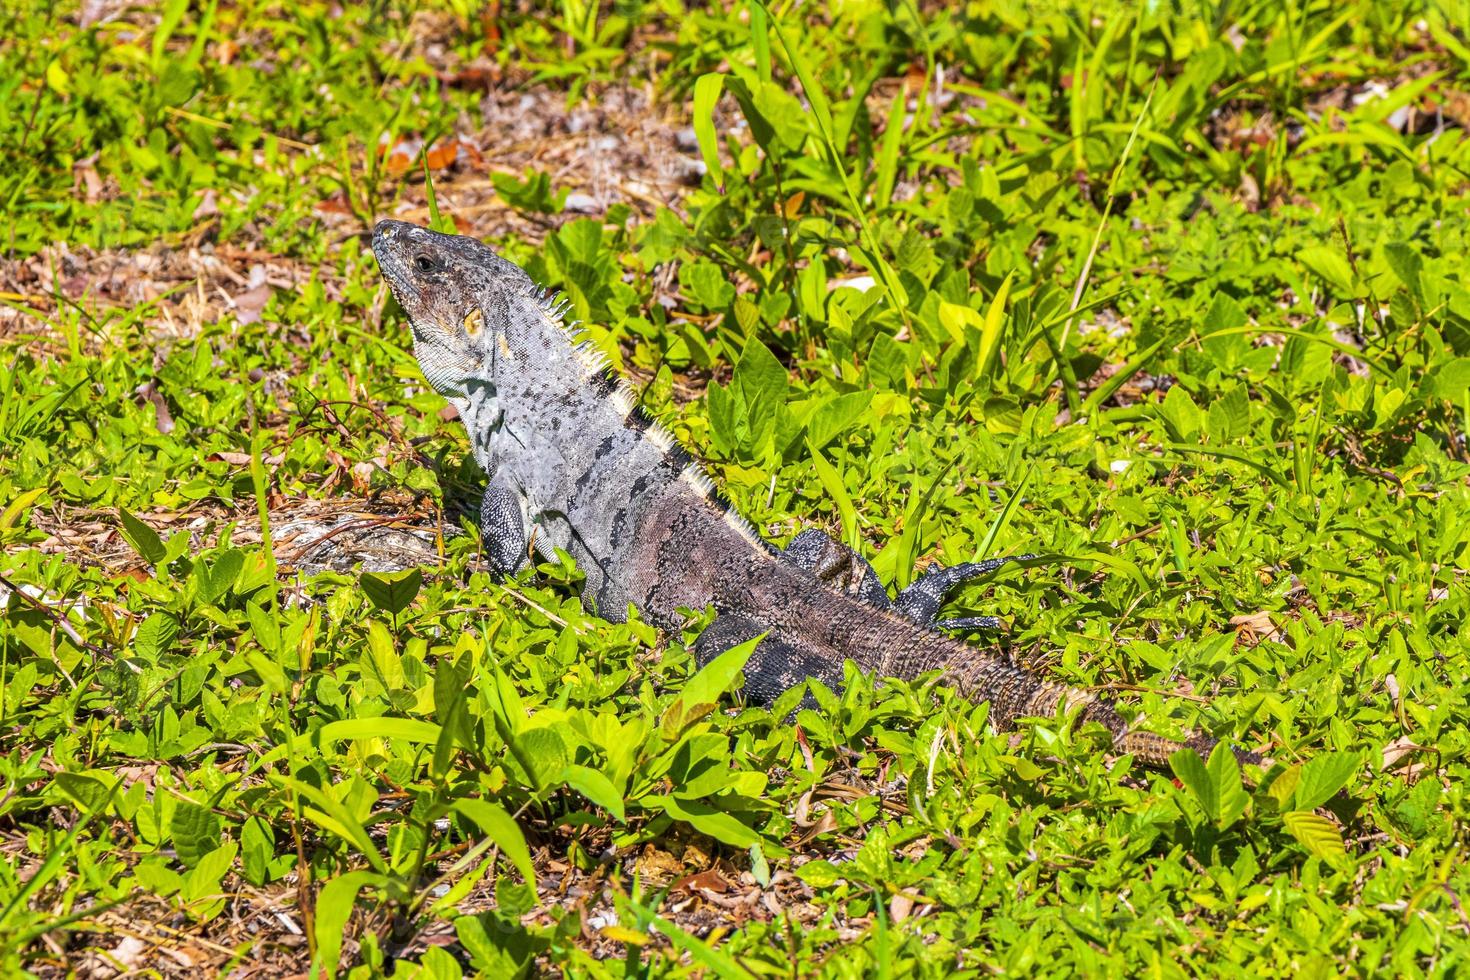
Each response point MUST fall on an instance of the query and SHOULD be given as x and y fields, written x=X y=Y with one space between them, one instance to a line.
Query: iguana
x=574 y=464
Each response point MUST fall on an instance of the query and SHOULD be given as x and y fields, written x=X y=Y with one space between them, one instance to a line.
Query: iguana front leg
x=836 y=565
x=845 y=570
x=921 y=601
x=503 y=528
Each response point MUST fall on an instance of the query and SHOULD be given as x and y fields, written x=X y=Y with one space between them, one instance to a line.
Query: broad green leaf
x=759 y=384
x=439 y=964
x=596 y=787
x=266 y=627
x=1407 y=266
x=1283 y=787
x=155 y=635
x=544 y=754
x=144 y=539
x=717 y=676
x=407 y=729
x=1224 y=314
x=334 y=905
x=993 y=329
x=195 y=830
x=835 y=415
x=91 y=792
x=819 y=874
x=269 y=671
x=707 y=89
x=1317 y=834
x=214 y=580
x=760 y=869
x=1228 y=417
x=497 y=825
x=158 y=879
x=706 y=819
x=16 y=507
x=383 y=651
x=1021 y=766
x=1196 y=777
x=1224 y=770
x=1322 y=776
x=392 y=591
x=1331 y=265
x=955 y=317
x=707 y=284
x=257 y=848
x=497 y=947
x=1182 y=414
x=204 y=880
x=1451 y=380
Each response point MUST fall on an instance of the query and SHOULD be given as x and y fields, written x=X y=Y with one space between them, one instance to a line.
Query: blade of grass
x=831 y=480
x=887 y=172
x=987 y=543
x=709 y=957
x=54 y=861
x=1110 y=387
x=908 y=540
x=1234 y=456
x=760 y=40
x=707 y=89
x=822 y=111
x=1059 y=348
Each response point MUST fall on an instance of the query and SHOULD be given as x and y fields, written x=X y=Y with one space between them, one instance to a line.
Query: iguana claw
x=921 y=601
x=843 y=569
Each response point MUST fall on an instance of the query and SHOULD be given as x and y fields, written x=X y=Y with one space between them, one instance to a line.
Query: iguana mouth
x=387 y=249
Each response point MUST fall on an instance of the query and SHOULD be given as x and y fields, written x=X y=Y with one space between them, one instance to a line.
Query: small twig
x=1140 y=689
x=351 y=525
x=56 y=616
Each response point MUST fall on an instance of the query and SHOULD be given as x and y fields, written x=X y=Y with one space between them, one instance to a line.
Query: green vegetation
x=1176 y=298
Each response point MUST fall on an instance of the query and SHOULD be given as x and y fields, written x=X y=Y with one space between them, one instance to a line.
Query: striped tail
x=1015 y=693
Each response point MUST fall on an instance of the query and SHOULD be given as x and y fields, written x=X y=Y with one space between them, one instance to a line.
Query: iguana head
x=459 y=297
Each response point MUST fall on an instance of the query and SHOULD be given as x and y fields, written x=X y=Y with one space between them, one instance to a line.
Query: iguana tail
x=814 y=629
x=1015 y=693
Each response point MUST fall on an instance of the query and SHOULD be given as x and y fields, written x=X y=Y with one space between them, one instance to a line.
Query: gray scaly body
x=575 y=465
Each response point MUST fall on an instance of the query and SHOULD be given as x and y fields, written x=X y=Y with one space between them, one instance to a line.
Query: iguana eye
x=425 y=264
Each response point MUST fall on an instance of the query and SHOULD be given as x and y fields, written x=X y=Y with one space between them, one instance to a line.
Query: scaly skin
x=575 y=465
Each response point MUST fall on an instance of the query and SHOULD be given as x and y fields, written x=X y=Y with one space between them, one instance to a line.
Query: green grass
x=1176 y=300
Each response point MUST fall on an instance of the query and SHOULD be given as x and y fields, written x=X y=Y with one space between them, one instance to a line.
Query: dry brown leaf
x=250 y=303
x=336 y=204
x=1396 y=750
x=208 y=206
x=657 y=864
x=129 y=953
x=1255 y=626
x=399 y=156
x=709 y=881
